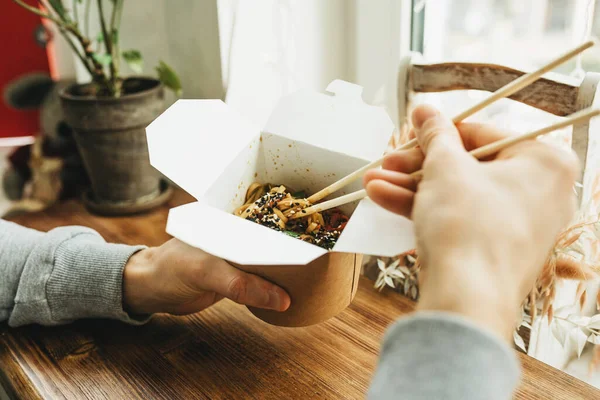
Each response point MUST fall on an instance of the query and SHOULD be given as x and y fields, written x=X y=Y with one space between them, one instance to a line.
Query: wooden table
x=222 y=353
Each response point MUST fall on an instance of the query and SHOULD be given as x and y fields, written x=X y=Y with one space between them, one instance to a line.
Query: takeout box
x=310 y=141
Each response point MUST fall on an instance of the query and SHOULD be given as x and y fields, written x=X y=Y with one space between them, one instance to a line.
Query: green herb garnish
x=292 y=234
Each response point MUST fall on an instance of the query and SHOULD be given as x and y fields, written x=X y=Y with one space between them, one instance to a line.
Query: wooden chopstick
x=481 y=152
x=326 y=205
x=494 y=147
x=348 y=179
x=505 y=91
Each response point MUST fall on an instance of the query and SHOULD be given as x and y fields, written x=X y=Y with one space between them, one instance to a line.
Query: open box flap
x=235 y=239
x=339 y=121
x=193 y=141
x=375 y=231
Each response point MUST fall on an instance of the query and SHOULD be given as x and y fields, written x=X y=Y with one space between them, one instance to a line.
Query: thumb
x=435 y=132
x=245 y=288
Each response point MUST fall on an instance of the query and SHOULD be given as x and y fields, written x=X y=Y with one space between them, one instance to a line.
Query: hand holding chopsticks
x=478 y=153
x=503 y=92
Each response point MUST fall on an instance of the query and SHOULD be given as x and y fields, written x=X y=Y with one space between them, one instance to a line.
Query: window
x=519 y=34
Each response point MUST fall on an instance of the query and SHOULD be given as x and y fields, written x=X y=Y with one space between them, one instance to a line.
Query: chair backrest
x=558 y=95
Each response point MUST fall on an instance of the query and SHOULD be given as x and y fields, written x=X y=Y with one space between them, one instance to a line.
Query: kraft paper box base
x=309 y=286
x=310 y=141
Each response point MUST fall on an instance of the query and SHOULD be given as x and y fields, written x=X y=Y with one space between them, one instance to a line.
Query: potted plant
x=109 y=114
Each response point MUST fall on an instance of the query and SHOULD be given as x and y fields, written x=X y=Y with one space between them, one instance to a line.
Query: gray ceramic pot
x=111 y=137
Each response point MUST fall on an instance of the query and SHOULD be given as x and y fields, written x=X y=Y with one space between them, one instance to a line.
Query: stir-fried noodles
x=272 y=206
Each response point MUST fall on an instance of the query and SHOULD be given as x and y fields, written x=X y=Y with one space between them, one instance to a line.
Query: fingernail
x=422 y=113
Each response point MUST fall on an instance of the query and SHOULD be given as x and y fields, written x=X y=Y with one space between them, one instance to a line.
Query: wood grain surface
x=554 y=96
x=221 y=353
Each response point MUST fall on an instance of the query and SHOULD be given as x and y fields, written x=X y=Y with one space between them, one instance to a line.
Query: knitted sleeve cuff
x=72 y=274
x=435 y=355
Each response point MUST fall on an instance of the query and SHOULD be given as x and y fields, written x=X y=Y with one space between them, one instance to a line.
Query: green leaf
x=134 y=60
x=169 y=78
x=292 y=234
x=102 y=59
x=100 y=37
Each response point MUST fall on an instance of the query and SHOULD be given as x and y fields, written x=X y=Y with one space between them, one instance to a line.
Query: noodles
x=271 y=206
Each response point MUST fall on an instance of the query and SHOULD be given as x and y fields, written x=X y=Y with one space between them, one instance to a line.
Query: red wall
x=19 y=54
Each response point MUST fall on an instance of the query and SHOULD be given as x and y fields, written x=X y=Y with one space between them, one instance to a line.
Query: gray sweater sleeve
x=56 y=277
x=442 y=356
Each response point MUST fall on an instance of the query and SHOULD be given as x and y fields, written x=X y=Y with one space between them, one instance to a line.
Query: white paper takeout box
x=310 y=141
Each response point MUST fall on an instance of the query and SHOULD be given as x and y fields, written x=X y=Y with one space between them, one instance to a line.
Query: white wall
x=270 y=48
x=381 y=36
x=273 y=47
x=183 y=33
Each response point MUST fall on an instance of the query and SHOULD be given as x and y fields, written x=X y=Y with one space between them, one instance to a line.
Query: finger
x=244 y=288
x=473 y=135
x=411 y=134
x=476 y=135
x=391 y=197
x=407 y=161
x=435 y=132
x=393 y=177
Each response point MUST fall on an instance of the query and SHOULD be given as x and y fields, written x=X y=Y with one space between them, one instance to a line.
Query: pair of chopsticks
x=481 y=152
x=478 y=153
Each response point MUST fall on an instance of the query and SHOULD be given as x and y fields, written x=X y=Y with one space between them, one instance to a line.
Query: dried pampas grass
x=575 y=256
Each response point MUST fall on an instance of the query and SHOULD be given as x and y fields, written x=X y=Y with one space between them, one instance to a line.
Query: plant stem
x=63 y=26
x=72 y=34
x=115 y=23
x=109 y=48
x=86 y=16
x=113 y=16
x=75 y=13
x=98 y=74
x=76 y=51
x=38 y=12
x=66 y=28
x=107 y=40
